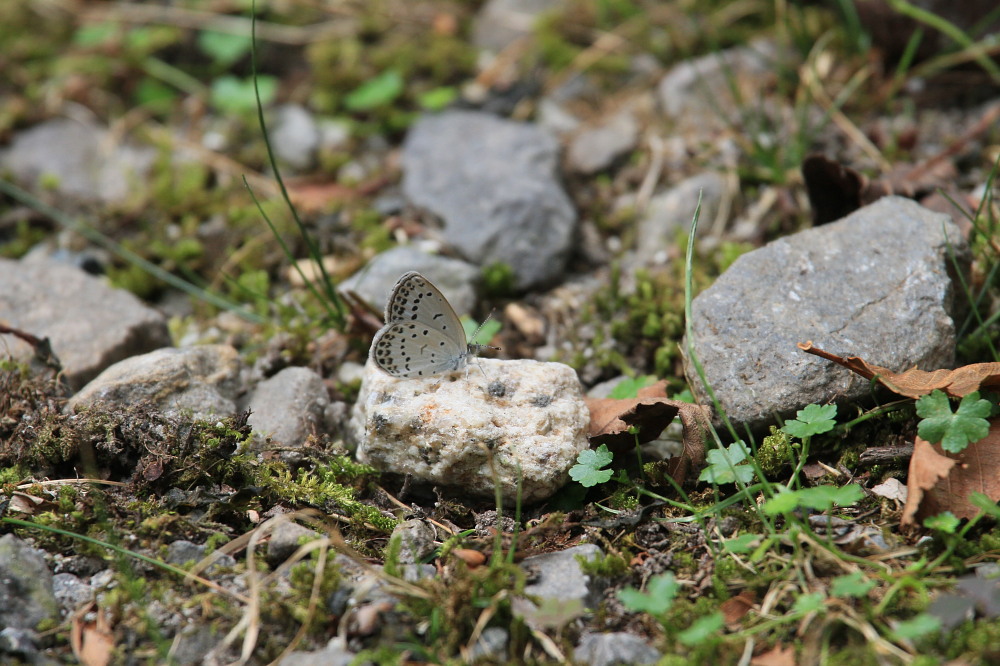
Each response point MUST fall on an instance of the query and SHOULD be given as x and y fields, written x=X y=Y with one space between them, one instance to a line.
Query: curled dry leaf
x=914 y=383
x=735 y=608
x=940 y=481
x=650 y=412
x=836 y=190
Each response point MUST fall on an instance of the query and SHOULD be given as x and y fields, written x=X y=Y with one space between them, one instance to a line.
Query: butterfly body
x=422 y=335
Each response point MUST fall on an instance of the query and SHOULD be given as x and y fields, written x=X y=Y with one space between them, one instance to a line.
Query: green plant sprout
x=589 y=468
x=724 y=465
x=629 y=387
x=954 y=430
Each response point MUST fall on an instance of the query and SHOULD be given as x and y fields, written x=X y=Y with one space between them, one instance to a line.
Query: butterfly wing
x=412 y=349
x=414 y=298
x=423 y=336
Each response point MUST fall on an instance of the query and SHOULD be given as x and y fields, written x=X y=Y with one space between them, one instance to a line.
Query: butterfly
x=422 y=335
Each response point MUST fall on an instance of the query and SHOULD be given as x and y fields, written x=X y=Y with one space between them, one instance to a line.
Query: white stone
x=530 y=415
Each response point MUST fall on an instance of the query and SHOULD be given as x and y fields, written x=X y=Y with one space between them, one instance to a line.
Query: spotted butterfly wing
x=422 y=335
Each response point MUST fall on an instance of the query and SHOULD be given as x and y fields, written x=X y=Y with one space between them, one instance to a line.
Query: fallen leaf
x=940 y=481
x=736 y=608
x=914 y=383
x=649 y=413
x=779 y=655
x=836 y=190
x=891 y=489
x=92 y=642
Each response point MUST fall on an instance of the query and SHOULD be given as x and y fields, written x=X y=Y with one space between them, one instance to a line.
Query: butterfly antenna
x=473 y=344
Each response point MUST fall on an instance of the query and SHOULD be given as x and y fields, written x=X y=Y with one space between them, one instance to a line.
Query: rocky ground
x=694 y=443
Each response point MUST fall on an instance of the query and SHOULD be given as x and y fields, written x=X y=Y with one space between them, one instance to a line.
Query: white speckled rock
x=529 y=414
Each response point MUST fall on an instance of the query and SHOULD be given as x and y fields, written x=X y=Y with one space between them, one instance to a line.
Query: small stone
x=89 y=324
x=295 y=136
x=671 y=212
x=83 y=160
x=557 y=580
x=417 y=540
x=596 y=148
x=444 y=429
x=71 y=591
x=495 y=184
x=288 y=407
x=614 y=648
x=26 y=594
x=502 y=22
x=458 y=280
x=199 y=381
x=286 y=537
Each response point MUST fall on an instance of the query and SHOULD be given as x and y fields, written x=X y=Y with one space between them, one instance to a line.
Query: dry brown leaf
x=940 y=481
x=914 y=383
x=736 y=608
x=779 y=655
x=92 y=642
x=651 y=411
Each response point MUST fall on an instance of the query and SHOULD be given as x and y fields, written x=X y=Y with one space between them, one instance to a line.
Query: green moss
x=775 y=453
x=607 y=566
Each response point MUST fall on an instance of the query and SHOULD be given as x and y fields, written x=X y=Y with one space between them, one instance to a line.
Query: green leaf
x=808 y=603
x=812 y=420
x=480 y=332
x=702 y=629
x=724 y=465
x=853 y=585
x=223 y=48
x=822 y=498
x=587 y=470
x=375 y=93
x=95 y=34
x=985 y=503
x=629 y=387
x=438 y=98
x=957 y=430
x=917 y=627
x=744 y=543
x=233 y=95
x=943 y=522
x=819 y=498
x=658 y=598
x=785 y=501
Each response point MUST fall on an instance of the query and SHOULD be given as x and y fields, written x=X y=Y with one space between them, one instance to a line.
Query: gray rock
x=876 y=284
x=596 y=148
x=295 y=136
x=614 y=648
x=288 y=407
x=558 y=582
x=26 y=595
x=700 y=91
x=334 y=654
x=286 y=537
x=193 y=643
x=528 y=417
x=71 y=591
x=199 y=382
x=85 y=161
x=89 y=324
x=417 y=537
x=457 y=280
x=502 y=22
x=187 y=553
x=671 y=211
x=492 y=645
x=494 y=183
